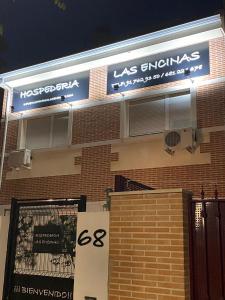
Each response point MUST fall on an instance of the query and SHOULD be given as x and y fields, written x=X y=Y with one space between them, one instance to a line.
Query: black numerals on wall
x=83 y=240
x=98 y=236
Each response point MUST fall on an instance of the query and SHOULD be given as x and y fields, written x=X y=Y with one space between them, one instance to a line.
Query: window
x=159 y=114
x=46 y=132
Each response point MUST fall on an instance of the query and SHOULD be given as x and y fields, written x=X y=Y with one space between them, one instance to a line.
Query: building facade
x=150 y=108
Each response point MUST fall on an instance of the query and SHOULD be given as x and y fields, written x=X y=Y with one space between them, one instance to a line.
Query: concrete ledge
x=159 y=191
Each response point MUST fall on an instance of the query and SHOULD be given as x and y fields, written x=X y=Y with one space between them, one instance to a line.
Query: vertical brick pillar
x=149 y=245
x=98 y=77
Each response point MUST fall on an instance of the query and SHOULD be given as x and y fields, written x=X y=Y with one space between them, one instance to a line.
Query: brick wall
x=12 y=133
x=97 y=89
x=94 y=179
x=102 y=123
x=189 y=177
x=96 y=124
x=211 y=105
x=96 y=176
x=149 y=246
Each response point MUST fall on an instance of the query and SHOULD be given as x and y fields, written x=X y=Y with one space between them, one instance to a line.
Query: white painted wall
x=95 y=206
x=49 y=163
x=91 y=272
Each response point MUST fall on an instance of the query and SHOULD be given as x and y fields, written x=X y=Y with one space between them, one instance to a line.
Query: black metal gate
x=41 y=251
x=207 y=249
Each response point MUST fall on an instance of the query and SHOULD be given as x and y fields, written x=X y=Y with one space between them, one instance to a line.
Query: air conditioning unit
x=180 y=139
x=20 y=159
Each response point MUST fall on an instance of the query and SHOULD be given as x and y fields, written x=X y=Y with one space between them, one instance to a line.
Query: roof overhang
x=167 y=39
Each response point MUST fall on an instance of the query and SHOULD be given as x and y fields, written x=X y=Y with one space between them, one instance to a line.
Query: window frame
x=165 y=93
x=22 y=130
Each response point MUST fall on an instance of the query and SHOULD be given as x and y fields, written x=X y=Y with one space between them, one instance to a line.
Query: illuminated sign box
x=51 y=92
x=178 y=64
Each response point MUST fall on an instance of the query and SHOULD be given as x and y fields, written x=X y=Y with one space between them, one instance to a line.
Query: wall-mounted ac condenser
x=20 y=159
x=180 y=139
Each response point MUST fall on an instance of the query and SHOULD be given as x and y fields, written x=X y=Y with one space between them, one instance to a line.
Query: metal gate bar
x=29 y=205
x=207 y=249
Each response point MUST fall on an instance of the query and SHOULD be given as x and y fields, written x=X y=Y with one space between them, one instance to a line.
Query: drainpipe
x=8 y=98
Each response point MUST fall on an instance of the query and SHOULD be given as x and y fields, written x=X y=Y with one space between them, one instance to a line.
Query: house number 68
x=85 y=239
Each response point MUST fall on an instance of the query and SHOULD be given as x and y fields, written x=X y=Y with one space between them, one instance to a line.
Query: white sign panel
x=92 y=256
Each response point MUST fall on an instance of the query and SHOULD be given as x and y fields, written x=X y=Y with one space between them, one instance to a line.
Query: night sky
x=38 y=30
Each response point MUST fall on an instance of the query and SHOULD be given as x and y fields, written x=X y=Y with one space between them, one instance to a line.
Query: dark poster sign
x=50 y=92
x=178 y=64
x=47 y=239
x=2 y=93
x=55 y=239
x=42 y=288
